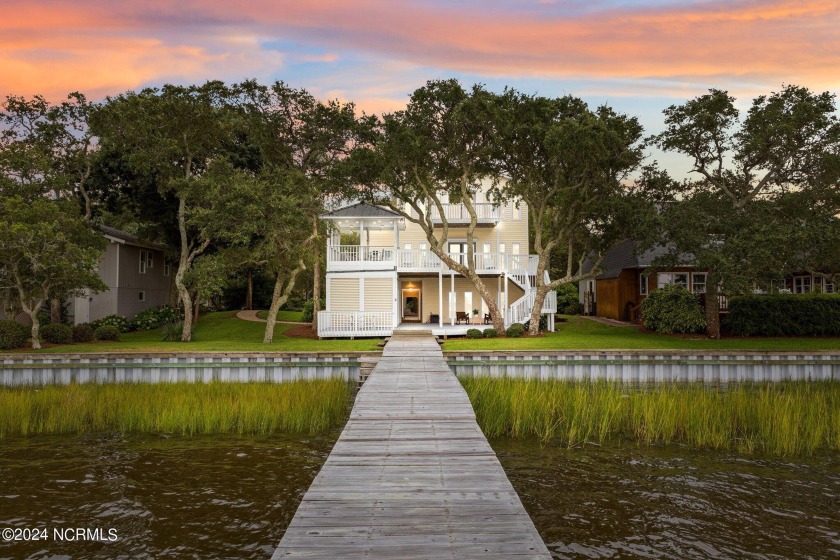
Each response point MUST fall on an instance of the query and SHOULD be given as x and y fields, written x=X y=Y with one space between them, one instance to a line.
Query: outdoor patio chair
x=462 y=316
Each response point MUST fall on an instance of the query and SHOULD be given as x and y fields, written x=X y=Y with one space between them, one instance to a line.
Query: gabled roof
x=623 y=256
x=121 y=236
x=360 y=210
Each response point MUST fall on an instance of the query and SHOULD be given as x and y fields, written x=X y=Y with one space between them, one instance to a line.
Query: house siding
x=344 y=294
x=379 y=294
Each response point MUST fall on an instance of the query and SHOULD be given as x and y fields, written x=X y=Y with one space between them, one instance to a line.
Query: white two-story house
x=391 y=278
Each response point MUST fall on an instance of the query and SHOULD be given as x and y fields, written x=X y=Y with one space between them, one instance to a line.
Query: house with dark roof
x=136 y=273
x=627 y=277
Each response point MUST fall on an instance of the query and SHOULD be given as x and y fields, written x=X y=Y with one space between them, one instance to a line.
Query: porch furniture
x=488 y=319
x=434 y=318
x=461 y=316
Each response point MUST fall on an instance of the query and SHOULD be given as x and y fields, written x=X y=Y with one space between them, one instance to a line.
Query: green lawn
x=293 y=316
x=580 y=333
x=221 y=332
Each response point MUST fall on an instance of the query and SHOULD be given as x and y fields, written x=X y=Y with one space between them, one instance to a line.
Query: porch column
x=397 y=243
x=506 y=299
x=362 y=244
x=397 y=298
x=452 y=291
x=440 y=297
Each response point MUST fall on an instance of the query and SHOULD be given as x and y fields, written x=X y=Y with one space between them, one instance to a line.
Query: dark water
x=166 y=497
x=232 y=497
x=655 y=503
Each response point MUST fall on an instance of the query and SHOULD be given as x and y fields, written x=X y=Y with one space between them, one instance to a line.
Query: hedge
x=13 y=335
x=673 y=309
x=56 y=333
x=784 y=315
x=107 y=332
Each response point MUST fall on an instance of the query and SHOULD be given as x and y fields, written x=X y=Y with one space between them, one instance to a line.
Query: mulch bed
x=303 y=330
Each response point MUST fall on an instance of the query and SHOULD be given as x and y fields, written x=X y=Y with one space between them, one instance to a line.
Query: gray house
x=137 y=277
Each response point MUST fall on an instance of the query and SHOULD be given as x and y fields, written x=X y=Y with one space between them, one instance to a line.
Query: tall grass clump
x=788 y=418
x=308 y=407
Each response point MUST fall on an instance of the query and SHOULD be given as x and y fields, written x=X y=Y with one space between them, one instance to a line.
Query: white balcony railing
x=355 y=323
x=361 y=258
x=486 y=213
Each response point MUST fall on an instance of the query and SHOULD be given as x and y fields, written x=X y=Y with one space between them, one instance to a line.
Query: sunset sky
x=637 y=55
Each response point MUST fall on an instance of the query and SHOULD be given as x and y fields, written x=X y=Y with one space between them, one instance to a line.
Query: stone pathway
x=251 y=315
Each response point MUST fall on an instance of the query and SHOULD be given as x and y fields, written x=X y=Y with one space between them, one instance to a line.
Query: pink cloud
x=94 y=45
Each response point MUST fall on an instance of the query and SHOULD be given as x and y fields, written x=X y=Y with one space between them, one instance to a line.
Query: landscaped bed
x=580 y=333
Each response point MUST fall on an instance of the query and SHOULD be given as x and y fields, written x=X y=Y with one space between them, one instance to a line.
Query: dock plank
x=412 y=475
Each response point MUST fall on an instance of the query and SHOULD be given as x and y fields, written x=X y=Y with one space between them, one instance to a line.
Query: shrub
x=118 y=321
x=673 y=309
x=784 y=315
x=57 y=333
x=307 y=310
x=543 y=323
x=171 y=332
x=107 y=332
x=567 y=294
x=82 y=332
x=575 y=308
x=13 y=335
x=490 y=333
x=473 y=333
x=515 y=330
x=154 y=318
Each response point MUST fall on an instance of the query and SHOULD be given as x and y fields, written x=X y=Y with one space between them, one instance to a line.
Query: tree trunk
x=712 y=308
x=32 y=313
x=536 y=310
x=173 y=293
x=492 y=306
x=186 y=300
x=249 y=291
x=279 y=296
x=196 y=308
x=55 y=310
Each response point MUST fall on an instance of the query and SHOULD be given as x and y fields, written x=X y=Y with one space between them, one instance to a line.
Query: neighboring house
x=392 y=278
x=137 y=276
x=626 y=280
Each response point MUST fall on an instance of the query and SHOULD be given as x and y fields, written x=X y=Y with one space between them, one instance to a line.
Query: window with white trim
x=407 y=246
x=502 y=247
x=423 y=246
x=143 y=262
x=698 y=282
x=517 y=213
x=801 y=284
x=514 y=249
x=643 y=284
x=665 y=278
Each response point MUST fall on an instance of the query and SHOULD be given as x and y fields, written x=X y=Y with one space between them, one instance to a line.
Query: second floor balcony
x=487 y=214
x=370 y=258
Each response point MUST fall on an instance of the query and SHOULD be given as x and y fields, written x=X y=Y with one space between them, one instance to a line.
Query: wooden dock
x=412 y=475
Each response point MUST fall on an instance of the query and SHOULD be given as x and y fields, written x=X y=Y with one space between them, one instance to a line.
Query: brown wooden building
x=628 y=278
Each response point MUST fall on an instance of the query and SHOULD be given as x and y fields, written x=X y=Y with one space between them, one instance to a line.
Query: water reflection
x=655 y=503
x=202 y=497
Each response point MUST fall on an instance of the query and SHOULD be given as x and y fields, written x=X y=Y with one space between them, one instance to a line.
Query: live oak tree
x=787 y=143
x=177 y=134
x=437 y=150
x=46 y=247
x=47 y=149
x=568 y=164
x=307 y=137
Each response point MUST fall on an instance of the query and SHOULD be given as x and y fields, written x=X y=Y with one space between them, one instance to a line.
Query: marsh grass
x=307 y=407
x=789 y=418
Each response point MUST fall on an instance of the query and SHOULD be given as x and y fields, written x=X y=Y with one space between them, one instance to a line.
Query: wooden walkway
x=412 y=475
